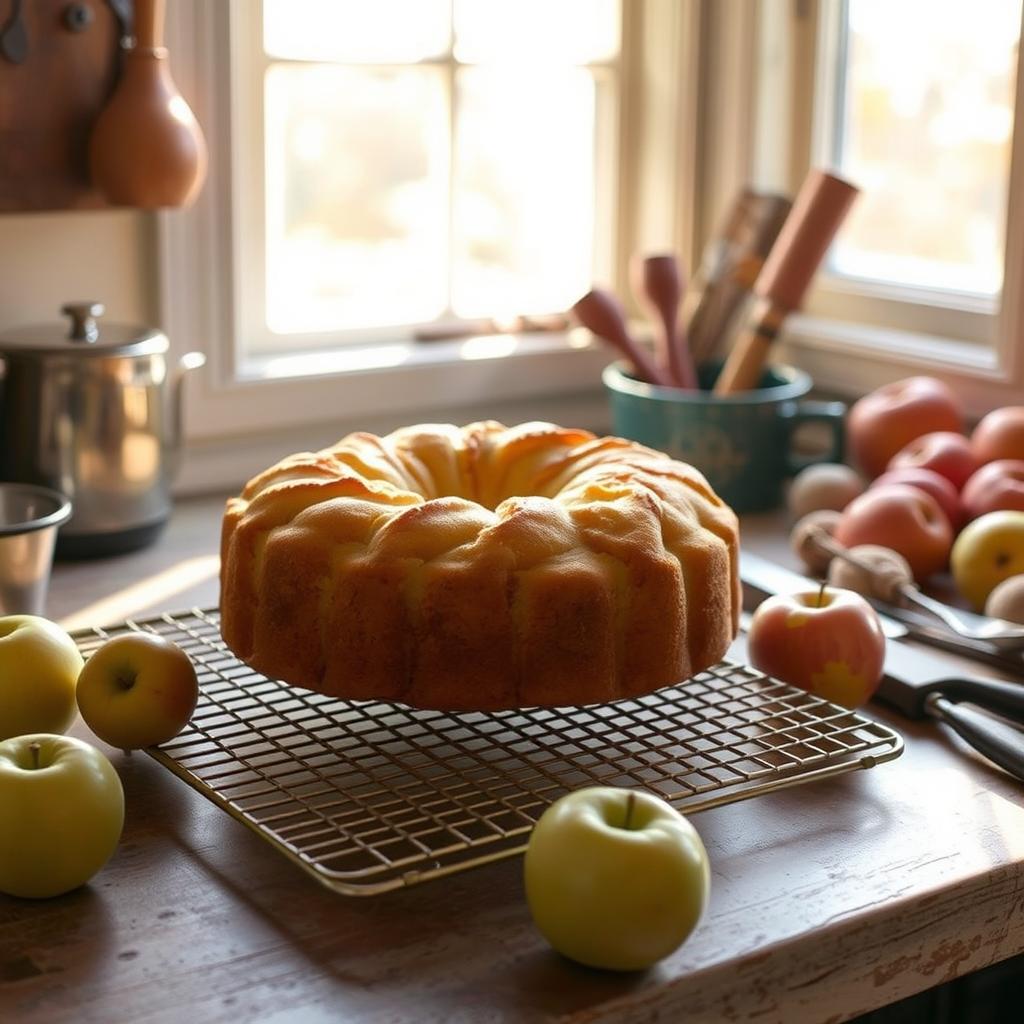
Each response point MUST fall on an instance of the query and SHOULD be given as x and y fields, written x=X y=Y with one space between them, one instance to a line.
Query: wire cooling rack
x=369 y=796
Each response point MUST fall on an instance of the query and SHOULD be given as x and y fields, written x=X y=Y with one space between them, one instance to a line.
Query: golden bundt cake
x=480 y=568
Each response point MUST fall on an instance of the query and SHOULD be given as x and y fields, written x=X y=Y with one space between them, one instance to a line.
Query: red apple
x=882 y=422
x=996 y=486
x=943 y=452
x=999 y=435
x=903 y=518
x=828 y=642
x=934 y=484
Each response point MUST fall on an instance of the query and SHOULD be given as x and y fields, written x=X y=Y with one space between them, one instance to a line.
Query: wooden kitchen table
x=828 y=899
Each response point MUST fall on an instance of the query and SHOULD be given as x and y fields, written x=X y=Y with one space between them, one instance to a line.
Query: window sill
x=384 y=356
x=278 y=405
x=851 y=359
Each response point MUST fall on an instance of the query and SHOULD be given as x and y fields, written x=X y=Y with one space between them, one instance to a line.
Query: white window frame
x=235 y=420
x=872 y=335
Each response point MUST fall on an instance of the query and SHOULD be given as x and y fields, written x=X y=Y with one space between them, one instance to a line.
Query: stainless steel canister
x=94 y=411
x=29 y=519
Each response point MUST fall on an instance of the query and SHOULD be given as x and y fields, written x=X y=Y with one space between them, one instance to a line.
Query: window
x=914 y=102
x=379 y=165
x=633 y=131
x=926 y=130
x=422 y=160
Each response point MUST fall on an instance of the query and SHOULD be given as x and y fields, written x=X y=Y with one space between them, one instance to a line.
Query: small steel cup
x=29 y=518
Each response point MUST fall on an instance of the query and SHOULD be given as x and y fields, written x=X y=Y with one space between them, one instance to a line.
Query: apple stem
x=821 y=593
x=34 y=749
x=630 y=804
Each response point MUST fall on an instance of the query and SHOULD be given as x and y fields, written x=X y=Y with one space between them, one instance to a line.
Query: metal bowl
x=29 y=519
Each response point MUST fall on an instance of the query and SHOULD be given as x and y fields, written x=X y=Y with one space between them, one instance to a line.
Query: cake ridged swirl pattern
x=480 y=568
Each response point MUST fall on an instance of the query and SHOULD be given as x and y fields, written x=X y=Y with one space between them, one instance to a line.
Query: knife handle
x=999 y=742
x=1006 y=698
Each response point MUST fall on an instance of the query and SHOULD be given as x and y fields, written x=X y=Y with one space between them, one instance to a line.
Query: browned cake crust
x=480 y=568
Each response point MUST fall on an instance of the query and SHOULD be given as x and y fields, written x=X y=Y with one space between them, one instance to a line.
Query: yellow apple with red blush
x=828 y=642
x=137 y=690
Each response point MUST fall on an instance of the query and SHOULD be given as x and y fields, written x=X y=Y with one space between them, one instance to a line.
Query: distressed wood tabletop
x=828 y=899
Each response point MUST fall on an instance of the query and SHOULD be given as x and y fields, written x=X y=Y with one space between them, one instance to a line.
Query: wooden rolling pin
x=820 y=208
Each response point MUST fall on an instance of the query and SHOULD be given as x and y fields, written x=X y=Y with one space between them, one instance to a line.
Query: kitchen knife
x=918 y=683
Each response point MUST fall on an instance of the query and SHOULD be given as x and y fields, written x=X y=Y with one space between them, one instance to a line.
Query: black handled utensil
x=125 y=14
x=13 y=36
x=1001 y=743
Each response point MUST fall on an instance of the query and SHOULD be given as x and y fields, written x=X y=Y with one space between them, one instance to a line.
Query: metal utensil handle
x=13 y=37
x=949 y=615
x=999 y=742
x=125 y=14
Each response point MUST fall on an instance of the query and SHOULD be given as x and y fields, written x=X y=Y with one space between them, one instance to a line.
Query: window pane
x=570 y=31
x=524 y=190
x=356 y=196
x=925 y=130
x=356 y=31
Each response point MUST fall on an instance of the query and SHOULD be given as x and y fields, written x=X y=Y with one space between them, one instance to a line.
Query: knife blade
x=918 y=683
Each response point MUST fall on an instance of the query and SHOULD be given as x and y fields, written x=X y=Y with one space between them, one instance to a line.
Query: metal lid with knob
x=87 y=336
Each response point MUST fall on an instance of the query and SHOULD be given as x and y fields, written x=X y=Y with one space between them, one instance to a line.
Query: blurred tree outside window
x=432 y=159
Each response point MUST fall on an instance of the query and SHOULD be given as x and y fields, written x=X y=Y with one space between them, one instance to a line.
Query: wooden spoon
x=600 y=311
x=658 y=284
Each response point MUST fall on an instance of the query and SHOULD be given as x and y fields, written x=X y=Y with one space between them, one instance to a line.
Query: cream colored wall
x=47 y=259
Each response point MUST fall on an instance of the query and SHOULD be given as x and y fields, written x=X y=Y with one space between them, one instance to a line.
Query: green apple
x=137 y=690
x=615 y=878
x=39 y=666
x=61 y=814
x=987 y=551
